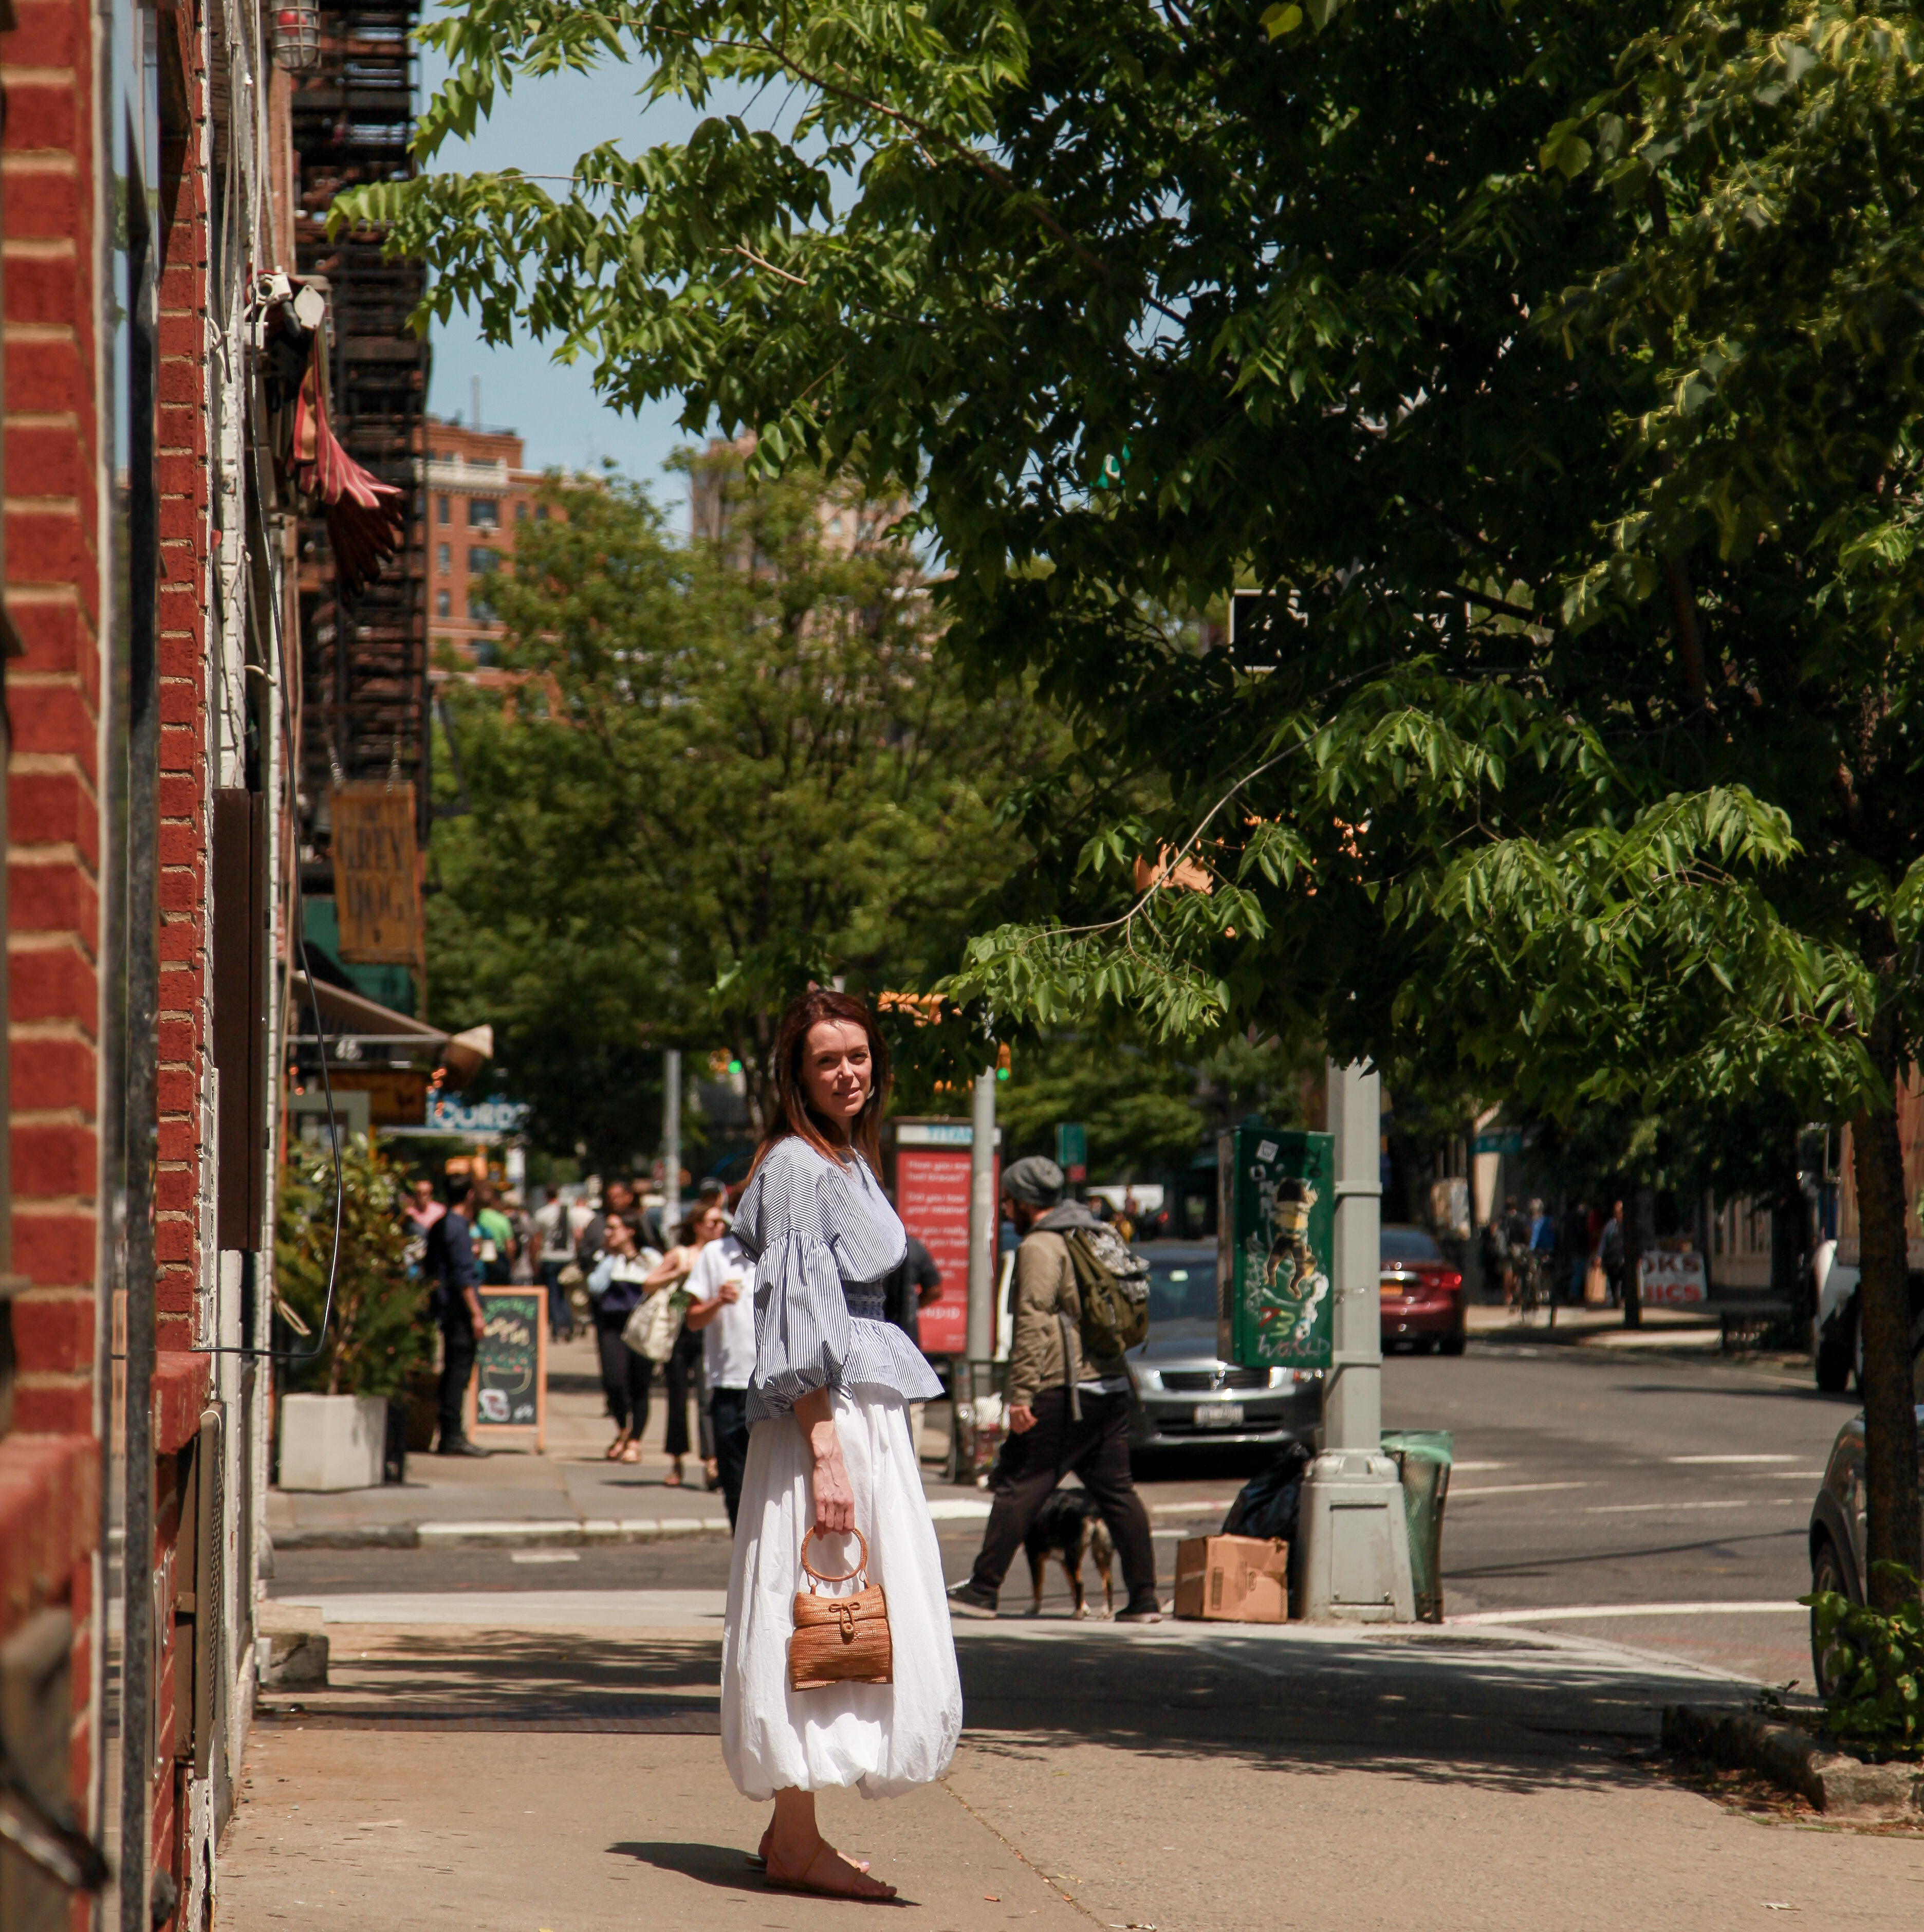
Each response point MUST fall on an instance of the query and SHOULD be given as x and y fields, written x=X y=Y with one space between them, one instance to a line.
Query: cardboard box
x=1237 y=1580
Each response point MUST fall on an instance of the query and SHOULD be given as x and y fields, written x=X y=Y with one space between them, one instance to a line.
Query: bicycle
x=1536 y=1287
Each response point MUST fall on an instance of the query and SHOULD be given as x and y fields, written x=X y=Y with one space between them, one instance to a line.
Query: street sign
x=1508 y=1140
x=1665 y=1279
x=1276 y=1224
x=1072 y=1149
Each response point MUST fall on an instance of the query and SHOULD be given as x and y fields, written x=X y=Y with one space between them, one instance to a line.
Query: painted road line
x=1208 y=1506
x=1513 y=1490
x=1682 y=1462
x=1582 y=1613
x=1666 y=1509
x=958 y=1509
x=1458 y=1468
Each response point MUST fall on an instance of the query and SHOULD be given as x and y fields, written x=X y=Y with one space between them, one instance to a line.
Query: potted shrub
x=334 y=1412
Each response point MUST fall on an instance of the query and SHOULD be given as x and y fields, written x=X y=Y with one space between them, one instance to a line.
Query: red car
x=1423 y=1294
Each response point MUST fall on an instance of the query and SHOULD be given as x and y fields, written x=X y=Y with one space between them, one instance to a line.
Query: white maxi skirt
x=884 y=1738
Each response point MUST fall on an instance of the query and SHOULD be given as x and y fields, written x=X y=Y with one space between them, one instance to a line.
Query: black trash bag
x=1265 y=1506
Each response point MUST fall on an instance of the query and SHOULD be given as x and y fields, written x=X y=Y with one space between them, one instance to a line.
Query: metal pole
x=1356 y=1560
x=1353 y=1399
x=982 y=1219
x=671 y=1139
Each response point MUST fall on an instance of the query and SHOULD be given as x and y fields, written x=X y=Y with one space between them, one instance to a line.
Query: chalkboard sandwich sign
x=508 y=1398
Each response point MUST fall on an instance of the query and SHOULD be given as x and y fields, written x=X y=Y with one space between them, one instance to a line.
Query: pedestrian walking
x=1612 y=1250
x=912 y=1283
x=493 y=1237
x=723 y=1316
x=829 y=1455
x=617 y=1198
x=1576 y=1245
x=705 y=1224
x=615 y=1284
x=451 y=1266
x=1064 y=1414
x=554 y=1250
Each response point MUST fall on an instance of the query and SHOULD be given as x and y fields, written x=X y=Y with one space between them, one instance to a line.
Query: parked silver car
x=1837 y=1527
x=1182 y=1393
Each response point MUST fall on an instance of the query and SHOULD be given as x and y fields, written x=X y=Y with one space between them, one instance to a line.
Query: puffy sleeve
x=803 y=1333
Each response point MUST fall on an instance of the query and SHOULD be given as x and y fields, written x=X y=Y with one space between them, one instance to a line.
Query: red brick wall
x=52 y=458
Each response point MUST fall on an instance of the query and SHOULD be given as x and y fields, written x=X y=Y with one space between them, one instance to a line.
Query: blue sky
x=542 y=127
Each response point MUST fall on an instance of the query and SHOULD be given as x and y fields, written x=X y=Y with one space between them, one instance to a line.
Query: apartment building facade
x=478 y=496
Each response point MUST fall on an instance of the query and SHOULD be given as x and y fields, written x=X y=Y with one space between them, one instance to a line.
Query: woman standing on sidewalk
x=617 y=1286
x=704 y=1226
x=829 y=1453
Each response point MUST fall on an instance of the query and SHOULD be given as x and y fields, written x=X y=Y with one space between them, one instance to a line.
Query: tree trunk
x=1883 y=1307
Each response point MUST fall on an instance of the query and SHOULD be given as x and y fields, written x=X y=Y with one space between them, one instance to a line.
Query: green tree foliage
x=1147 y=1110
x=1552 y=371
x=376 y=1333
x=729 y=766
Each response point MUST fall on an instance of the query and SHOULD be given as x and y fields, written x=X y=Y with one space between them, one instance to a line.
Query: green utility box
x=1423 y=1456
x=1276 y=1238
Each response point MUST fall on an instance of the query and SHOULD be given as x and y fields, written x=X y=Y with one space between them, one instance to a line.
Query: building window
x=480 y=611
x=521 y=511
x=481 y=559
x=443 y=603
x=442 y=513
x=442 y=558
x=483 y=514
x=541 y=513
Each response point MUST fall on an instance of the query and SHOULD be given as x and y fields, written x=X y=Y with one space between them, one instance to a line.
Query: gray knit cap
x=1036 y=1182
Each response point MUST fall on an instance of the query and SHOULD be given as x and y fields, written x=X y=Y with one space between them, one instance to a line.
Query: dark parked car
x=1182 y=1392
x=1837 y=1527
x=1422 y=1293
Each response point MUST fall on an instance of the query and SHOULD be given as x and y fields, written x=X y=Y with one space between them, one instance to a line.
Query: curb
x=574 y=1532
x=1838 y=1785
x=565 y=1531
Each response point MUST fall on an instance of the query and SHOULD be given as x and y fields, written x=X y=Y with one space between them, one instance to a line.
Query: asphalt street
x=1639 y=1491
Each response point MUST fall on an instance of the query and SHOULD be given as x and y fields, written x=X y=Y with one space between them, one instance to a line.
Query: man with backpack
x=1080 y=1299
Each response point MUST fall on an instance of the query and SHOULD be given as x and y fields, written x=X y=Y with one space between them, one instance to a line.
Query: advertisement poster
x=1275 y=1247
x=932 y=1197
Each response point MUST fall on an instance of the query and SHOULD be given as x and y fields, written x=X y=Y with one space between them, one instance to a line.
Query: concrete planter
x=332 y=1442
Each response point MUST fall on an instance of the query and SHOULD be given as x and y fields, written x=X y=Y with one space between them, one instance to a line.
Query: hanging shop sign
x=377 y=882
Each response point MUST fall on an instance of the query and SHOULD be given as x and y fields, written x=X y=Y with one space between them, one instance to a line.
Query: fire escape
x=365 y=653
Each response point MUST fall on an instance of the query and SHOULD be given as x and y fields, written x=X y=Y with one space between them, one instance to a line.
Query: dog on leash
x=1068 y=1527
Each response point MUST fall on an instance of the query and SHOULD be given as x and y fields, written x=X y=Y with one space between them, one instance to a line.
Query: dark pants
x=676 y=1372
x=1033 y=1464
x=561 y=1316
x=728 y=1410
x=457 y=1366
x=625 y=1374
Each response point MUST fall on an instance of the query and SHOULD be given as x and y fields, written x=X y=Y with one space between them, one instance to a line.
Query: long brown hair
x=792 y=1113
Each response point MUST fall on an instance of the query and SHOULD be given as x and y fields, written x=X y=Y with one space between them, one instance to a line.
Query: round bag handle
x=860 y=1570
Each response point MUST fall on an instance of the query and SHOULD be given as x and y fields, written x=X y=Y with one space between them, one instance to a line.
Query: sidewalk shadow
x=723 y=1866
x=719 y=1866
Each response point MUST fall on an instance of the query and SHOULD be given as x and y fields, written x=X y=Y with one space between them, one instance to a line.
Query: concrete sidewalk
x=1185 y=1777
x=569 y=1493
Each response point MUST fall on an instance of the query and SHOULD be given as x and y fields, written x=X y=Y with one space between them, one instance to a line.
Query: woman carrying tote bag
x=829 y=1455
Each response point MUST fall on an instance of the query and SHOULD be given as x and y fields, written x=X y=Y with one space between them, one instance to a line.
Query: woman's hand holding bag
x=840 y=1639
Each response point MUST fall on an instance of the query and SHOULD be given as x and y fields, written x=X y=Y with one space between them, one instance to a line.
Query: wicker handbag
x=840 y=1639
